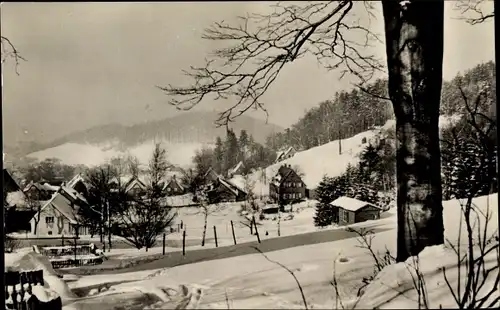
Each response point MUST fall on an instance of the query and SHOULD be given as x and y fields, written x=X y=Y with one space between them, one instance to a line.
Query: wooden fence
x=19 y=292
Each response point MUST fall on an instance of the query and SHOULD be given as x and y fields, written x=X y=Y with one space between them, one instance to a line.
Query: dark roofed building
x=287 y=186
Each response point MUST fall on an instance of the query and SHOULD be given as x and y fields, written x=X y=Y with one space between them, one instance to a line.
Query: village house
x=37 y=191
x=350 y=210
x=282 y=155
x=59 y=216
x=287 y=186
x=78 y=183
x=219 y=189
x=131 y=184
x=174 y=187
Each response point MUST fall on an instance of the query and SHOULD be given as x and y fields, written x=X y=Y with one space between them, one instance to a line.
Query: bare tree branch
x=263 y=44
x=473 y=11
x=9 y=50
x=289 y=271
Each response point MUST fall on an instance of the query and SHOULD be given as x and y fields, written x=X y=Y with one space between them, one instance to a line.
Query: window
x=168 y=189
x=299 y=195
x=49 y=220
x=285 y=196
x=345 y=216
x=50 y=232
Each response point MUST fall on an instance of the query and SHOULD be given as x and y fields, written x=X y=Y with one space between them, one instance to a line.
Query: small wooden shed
x=352 y=210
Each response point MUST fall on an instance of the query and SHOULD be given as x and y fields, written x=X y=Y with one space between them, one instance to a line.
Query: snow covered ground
x=254 y=281
x=222 y=216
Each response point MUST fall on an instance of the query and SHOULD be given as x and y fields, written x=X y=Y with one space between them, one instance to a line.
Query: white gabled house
x=60 y=215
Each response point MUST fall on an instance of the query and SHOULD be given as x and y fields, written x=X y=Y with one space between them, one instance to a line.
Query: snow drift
x=27 y=260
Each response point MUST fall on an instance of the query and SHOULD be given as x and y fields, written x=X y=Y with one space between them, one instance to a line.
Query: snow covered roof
x=77 y=178
x=231 y=187
x=351 y=204
x=63 y=205
x=236 y=168
x=173 y=179
x=133 y=183
x=278 y=154
x=73 y=193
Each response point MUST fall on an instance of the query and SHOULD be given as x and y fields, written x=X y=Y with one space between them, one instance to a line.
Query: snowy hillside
x=87 y=154
x=323 y=160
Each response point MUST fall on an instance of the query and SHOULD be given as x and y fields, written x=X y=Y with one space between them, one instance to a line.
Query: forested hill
x=353 y=112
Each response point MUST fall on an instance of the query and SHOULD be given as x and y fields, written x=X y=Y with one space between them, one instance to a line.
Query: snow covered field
x=254 y=281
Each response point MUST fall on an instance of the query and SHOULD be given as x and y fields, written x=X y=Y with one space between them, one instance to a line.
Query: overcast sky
x=98 y=63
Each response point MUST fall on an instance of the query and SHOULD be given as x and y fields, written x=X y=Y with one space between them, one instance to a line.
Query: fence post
x=232 y=228
x=184 y=243
x=256 y=230
x=75 y=249
x=215 y=235
x=62 y=240
x=163 y=243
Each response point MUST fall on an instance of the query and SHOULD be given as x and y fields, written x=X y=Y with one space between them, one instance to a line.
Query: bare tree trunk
x=101 y=224
x=37 y=220
x=279 y=222
x=340 y=142
x=414 y=43
x=108 y=225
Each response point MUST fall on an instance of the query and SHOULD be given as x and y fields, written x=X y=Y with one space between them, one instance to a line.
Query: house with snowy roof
x=39 y=191
x=60 y=215
x=79 y=184
x=219 y=189
x=285 y=154
x=351 y=211
x=131 y=184
x=173 y=187
x=235 y=170
x=286 y=186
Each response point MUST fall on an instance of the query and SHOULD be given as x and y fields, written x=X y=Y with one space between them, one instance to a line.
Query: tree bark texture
x=414 y=47
x=205 y=222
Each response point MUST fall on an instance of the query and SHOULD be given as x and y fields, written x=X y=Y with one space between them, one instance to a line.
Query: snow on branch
x=259 y=47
